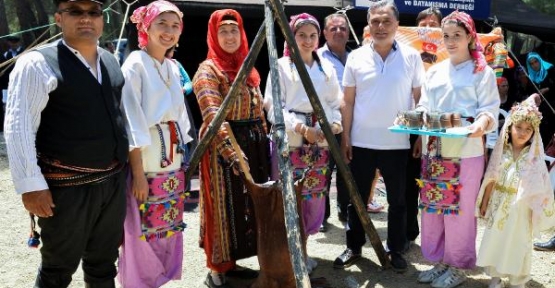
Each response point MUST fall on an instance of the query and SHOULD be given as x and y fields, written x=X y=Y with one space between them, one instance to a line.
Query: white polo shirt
x=383 y=88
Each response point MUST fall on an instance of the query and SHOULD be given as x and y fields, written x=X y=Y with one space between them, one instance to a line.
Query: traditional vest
x=82 y=124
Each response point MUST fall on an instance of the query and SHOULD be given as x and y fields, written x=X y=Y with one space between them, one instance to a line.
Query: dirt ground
x=18 y=263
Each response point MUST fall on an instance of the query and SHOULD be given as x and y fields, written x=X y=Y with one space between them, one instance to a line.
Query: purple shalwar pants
x=145 y=264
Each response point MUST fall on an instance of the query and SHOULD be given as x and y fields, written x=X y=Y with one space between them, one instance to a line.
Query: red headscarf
x=229 y=63
x=296 y=22
x=476 y=49
x=144 y=15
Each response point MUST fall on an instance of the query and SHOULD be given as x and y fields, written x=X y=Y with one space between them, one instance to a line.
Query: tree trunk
x=42 y=16
x=27 y=20
x=4 y=28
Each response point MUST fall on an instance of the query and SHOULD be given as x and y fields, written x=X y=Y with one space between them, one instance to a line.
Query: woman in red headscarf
x=157 y=126
x=452 y=168
x=228 y=227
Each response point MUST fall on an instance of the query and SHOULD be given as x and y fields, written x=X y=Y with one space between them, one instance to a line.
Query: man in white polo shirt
x=380 y=80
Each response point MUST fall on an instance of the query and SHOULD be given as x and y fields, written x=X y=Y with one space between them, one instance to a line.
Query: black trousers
x=87 y=225
x=412 y=192
x=392 y=165
x=342 y=193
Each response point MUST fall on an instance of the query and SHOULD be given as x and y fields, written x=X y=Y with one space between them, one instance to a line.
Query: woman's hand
x=346 y=148
x=335 y=128
x=478 y=128
x=484 y=207
x=485 y=199
x=139 y=187
x=417 y=150
x=313 y=134
x=236 y=164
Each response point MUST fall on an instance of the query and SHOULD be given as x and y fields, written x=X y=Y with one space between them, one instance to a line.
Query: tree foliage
x=20 y=16
x=545 y=6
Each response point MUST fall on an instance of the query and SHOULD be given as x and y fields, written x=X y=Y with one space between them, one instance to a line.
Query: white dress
x=506 y=247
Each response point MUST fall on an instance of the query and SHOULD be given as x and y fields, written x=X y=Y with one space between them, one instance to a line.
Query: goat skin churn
x=274 y=258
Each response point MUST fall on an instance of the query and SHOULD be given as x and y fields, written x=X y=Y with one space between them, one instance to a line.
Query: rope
x=28 y=30
x=10 y=62
x=344 y=12
x=123 y=24
x=492 y=25
x=109 y=8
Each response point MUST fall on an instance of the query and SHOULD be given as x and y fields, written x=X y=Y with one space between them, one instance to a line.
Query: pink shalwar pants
x=451 y=239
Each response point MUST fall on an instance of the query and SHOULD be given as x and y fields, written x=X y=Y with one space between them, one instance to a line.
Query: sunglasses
x=338 y=28
x=73 y=12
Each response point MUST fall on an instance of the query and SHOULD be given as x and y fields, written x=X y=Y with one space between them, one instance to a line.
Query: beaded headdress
x=526 y=112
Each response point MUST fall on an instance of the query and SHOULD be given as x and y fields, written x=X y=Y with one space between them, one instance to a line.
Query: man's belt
x=58 y=174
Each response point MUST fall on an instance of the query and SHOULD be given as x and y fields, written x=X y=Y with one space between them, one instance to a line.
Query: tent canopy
x=516 y=16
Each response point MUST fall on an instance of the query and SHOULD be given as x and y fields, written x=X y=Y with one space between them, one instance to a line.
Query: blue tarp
x=478 y=9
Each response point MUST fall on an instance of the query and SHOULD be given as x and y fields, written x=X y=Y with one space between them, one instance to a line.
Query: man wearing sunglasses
x=335 y=51
x=67 y=148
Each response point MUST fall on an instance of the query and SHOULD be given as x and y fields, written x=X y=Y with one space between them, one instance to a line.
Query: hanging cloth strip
x=176 y=138
x=439 y=184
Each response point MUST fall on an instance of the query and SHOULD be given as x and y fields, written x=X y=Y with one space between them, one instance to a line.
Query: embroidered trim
x=162 y=214
x=439 y=184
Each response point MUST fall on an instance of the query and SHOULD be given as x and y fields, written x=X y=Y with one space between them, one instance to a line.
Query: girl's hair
x=373 y=6
x=429 y=12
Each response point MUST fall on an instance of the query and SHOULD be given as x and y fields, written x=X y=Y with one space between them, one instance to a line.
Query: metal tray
x=457 y=132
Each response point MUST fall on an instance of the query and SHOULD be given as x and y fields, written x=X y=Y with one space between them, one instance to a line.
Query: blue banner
x=478 y=9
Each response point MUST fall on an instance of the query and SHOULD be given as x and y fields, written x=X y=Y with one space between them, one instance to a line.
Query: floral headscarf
x=476 y=49
x=229 y=63
x=296 y=22
x=144 y=15
x=534 y=188
x=537 y=76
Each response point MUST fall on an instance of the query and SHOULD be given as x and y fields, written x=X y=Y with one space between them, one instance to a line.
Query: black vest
x=82 y=123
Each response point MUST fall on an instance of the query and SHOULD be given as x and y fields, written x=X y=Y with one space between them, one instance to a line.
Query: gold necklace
x=167 y=82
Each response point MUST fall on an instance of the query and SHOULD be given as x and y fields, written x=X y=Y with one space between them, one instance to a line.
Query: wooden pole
x=356 y=200
x=294 y=240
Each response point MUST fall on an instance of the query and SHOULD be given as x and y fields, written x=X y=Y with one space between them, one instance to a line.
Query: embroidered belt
x=310 y=117
x=58 y=174
x=505 y=189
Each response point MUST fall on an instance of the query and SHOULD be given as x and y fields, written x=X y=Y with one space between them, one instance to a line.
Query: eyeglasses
x=336 y=29
x=73 y=12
